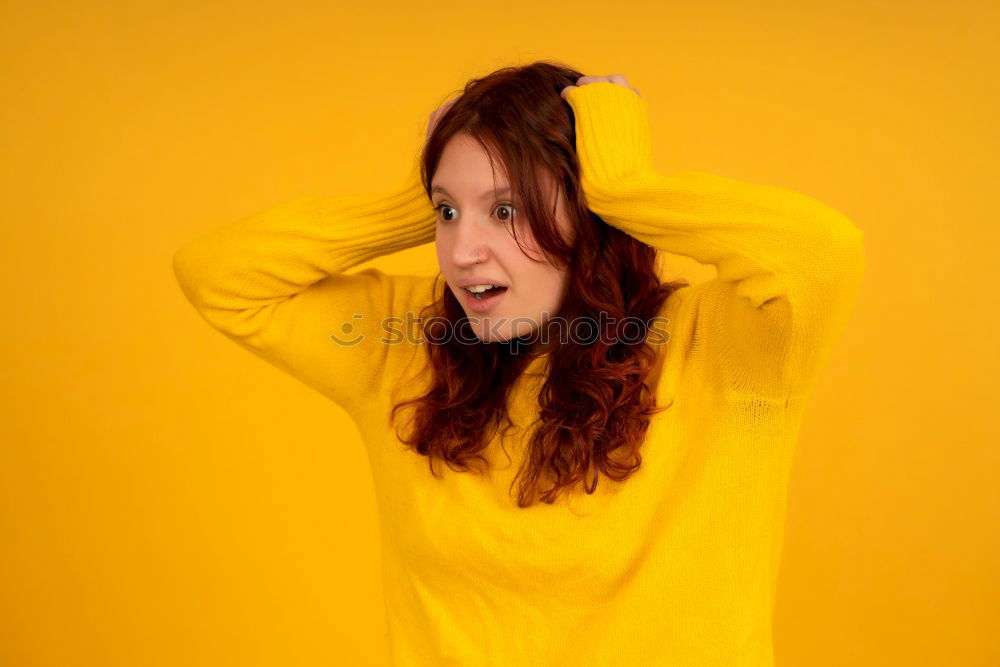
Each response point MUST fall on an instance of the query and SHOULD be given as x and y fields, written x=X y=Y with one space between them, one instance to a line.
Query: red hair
x=594 y=405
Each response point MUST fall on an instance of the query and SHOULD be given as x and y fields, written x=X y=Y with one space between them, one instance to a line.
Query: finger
x=562 y=93
x=619 y=79
x=590 y=78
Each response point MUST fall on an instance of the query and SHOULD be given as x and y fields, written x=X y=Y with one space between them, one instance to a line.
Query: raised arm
x=789 y=267
x=275 y=283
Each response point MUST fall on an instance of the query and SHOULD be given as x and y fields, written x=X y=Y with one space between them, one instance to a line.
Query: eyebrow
x=485 y=195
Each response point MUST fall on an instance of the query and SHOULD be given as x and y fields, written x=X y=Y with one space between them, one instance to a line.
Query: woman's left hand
x=612 y=130
x=590 y=78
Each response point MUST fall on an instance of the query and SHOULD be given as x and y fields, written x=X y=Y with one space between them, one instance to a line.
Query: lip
x=484 y=305
x=479 y=280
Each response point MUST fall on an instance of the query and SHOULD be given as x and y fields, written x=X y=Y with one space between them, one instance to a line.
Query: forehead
x=465 y=170
x=464 y=167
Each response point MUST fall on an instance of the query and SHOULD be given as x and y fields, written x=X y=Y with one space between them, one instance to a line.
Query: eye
x=510 y=216
x=504 y=218
x=442 y=206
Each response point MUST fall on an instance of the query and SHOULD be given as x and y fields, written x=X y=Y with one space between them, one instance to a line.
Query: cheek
x=441 y=249
x=546 y=284
x=560 y=282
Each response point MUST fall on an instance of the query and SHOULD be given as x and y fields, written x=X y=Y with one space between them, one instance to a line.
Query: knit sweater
x=677 y=565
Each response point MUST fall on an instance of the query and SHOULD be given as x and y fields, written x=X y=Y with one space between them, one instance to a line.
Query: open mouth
x=482 y=295
x=481 y=301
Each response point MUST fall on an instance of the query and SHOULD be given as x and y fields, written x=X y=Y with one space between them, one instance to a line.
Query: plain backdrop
x=166 y=498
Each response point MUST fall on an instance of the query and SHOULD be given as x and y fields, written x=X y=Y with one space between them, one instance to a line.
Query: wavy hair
x=595 y=405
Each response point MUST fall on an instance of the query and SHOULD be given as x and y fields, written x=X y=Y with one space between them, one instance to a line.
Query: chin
x=486 y=333
x=503 y=334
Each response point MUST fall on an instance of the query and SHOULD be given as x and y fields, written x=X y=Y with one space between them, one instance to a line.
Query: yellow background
x=168 y=499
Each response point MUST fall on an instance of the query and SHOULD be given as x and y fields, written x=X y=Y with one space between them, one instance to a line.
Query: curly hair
x=594 y=406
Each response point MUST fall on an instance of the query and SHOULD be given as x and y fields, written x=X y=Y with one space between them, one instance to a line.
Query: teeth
x=477 y=289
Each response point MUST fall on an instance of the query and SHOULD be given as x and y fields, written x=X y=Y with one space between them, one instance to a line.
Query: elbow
x=188 y=272
x=845 y=234
x=181 y=264
x=843 y=248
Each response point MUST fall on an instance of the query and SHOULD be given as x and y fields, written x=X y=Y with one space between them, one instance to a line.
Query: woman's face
x=474 y=222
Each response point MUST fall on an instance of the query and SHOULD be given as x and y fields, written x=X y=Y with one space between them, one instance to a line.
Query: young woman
x=648 y=427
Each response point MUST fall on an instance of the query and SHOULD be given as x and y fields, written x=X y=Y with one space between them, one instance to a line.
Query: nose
x=470 y=246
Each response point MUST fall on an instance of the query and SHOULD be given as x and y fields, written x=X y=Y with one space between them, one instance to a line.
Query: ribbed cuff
x=612 y=133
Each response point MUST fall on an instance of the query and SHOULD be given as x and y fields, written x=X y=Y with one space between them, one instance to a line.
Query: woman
x=659 y=450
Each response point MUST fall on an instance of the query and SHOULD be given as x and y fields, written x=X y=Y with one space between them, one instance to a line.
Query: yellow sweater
x=676 y=565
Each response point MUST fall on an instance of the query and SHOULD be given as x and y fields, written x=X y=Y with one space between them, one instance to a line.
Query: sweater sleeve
x=276 y=284
x=788 y=267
